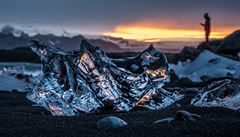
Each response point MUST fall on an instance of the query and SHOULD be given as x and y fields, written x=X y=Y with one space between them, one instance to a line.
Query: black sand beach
x=106 y=56
x=19 y=118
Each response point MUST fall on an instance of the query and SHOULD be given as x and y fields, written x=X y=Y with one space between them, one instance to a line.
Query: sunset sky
x=147 y=20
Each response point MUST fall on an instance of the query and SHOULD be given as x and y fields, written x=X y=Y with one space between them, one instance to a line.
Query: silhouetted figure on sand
x=207 y=26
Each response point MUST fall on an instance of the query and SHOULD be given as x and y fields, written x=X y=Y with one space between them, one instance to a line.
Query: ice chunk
x=149 y=60
x=11 y=83
x=17 y=76
x=204 y=65
x=88 y=81
x=222 y=93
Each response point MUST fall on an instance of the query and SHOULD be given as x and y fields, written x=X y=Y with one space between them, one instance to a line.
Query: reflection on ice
x=158 y=99
x=158 y=73
x=88 y=81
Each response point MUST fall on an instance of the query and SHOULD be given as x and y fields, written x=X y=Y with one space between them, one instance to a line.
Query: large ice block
x=88 y=81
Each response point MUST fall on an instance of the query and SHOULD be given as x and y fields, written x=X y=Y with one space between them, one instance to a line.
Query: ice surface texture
x=88 y=81
x=222 y=93
x=204 y=65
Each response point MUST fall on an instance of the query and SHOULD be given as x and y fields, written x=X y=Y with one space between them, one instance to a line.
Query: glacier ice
x=88 y=81
x=221 y=93
x=17 y=76
x=204 y=65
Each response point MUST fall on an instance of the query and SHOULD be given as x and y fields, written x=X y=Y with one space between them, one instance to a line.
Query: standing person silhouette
x=207 y=26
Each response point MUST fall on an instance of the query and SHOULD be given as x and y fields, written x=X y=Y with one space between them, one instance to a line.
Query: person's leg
x=207 y=36
x=207 y=39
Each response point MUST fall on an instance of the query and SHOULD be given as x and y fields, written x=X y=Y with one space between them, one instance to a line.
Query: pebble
x=111 y=122
x=183 y=115
x=165 y=120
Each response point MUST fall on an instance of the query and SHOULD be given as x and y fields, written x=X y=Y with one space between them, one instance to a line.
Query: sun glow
x=152 y=34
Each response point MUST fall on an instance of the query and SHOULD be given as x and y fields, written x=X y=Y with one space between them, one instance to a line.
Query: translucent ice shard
x=222 y=93
x=88 y=81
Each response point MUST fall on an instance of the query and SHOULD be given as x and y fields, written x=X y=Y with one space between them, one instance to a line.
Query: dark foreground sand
x=19 y=118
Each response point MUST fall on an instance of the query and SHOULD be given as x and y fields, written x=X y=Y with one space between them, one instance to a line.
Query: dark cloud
x=104 y=15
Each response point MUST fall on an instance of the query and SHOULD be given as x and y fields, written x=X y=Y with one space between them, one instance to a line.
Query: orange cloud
x=151 y=34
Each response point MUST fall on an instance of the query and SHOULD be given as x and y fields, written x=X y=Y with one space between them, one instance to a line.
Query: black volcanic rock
x=228 y=47
x=183 y=115
x=231 y=44
x=214 y=45
x=188 y=53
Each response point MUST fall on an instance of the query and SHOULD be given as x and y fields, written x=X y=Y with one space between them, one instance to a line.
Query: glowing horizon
x=153 y=34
